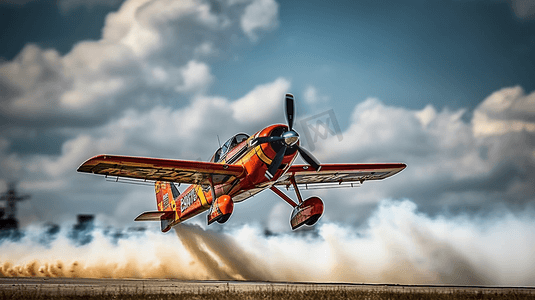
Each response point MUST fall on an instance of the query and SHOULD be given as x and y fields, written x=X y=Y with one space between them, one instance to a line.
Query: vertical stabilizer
x=174 y=191
x=167 y=200
x=166 y=196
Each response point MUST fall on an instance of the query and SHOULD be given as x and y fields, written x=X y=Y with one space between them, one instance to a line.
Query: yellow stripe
x=262 y=155
x=246 y=157
x=202 y=197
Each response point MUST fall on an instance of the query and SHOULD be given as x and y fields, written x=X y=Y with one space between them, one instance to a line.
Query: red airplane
x=242 y=167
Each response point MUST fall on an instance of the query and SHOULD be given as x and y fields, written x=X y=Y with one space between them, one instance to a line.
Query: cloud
x=523 y=9
x=505 y=111
x=121 y=94
x=449 y=166
x=31 y=82
x=453 y=163
x=149 y=50
x=196 y=76
x=259 y=15
x=159 y=130
x=162 y=131
x=312 y=96
x=10 y=163
x=261 y=103
x=142 y=89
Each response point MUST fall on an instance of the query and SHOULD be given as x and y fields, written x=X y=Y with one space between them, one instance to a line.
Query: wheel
x=313 y=220
x=223 y=218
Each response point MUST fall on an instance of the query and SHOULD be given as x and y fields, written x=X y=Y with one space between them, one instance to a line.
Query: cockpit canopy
x=228 y=145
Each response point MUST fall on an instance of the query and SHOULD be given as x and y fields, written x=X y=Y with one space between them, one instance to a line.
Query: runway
x=85 y=286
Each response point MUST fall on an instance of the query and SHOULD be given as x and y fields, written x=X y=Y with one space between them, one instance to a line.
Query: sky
x=444 y=86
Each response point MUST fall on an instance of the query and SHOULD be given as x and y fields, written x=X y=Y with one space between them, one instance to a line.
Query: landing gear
x=221 y=209
x=306 y=212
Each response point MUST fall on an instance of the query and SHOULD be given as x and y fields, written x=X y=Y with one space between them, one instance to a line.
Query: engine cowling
x=221 y=209
x=308 y=212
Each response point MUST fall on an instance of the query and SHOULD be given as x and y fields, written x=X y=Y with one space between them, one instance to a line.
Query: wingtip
x=83 y=168
x=87 y=165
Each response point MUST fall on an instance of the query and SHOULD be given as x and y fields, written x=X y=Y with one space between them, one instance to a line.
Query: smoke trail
x=220 y=255
x=397 y=245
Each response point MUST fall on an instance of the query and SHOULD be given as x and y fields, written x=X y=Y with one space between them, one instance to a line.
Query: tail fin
x=166 y=196
x=167 y=201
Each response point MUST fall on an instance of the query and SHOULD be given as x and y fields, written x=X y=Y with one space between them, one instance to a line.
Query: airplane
x=244 y=166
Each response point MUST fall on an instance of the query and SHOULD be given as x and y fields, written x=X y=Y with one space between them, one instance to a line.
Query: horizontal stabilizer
x=154 y=215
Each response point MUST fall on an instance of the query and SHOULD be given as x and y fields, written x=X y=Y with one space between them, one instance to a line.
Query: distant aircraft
x=242 y=167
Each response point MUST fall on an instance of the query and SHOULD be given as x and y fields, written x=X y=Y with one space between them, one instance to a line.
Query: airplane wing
x=183 y=171
x=330 y=174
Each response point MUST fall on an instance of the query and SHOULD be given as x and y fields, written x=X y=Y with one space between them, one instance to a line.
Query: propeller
x=288 y=139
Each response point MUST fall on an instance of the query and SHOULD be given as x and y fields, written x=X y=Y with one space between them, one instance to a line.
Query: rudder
x=167 y=200
x=166 y=196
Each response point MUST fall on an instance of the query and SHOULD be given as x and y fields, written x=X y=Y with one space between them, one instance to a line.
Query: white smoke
x=397 y=245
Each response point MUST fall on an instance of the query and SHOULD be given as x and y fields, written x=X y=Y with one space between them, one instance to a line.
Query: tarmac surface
x=85 y=286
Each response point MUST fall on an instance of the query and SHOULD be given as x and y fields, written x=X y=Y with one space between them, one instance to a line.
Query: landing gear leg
x=292 y=180
x=283 y=196
x=306 y=212
x=286 y=198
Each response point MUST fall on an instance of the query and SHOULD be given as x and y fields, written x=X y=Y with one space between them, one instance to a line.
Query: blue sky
x=444 y=86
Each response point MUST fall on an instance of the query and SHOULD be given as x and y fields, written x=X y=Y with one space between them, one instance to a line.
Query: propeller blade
x=275 y=163
x=309 y=158
x=266 y=139
x=290 y=110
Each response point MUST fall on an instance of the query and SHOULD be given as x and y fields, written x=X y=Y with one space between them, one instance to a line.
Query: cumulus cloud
x=449 y=166
x=149 y=50
x=159 y=130
x=189 y=132
x=523 y=9
x=259 y=15
x=261 y=103
x=505 y=111
x=312 y=96
x=452 y=163
x=31 y=82
x=142 y=89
